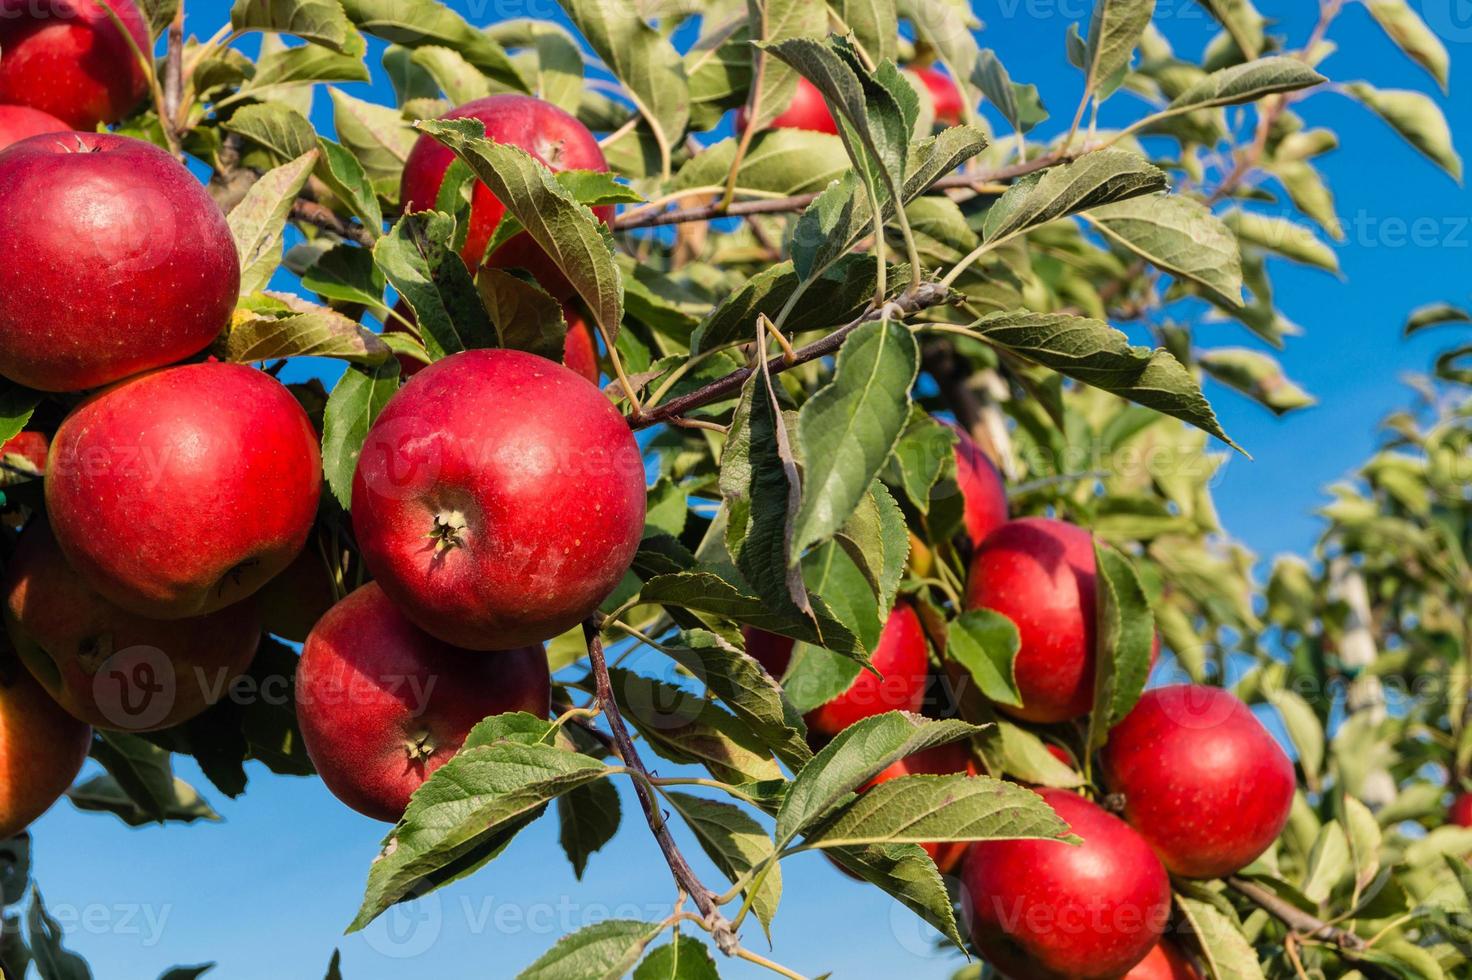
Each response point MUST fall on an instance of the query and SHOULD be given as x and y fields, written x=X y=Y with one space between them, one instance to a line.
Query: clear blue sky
x=267 y=892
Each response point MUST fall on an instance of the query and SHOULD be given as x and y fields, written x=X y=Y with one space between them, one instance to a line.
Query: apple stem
x=449 y=526
x=420 y=747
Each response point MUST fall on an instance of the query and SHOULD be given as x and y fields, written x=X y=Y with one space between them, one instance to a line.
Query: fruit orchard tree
x=829 y=421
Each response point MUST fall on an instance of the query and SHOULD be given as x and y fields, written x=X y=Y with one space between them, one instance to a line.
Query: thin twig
x=704 y=898
x=174 y=71
x=1294 y=917
x=325 y=218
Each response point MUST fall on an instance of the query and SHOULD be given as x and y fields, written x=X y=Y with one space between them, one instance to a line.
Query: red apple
x=25 y=449
x=983 y=494
x=579 y=349
x=382 y=704
x=113 y=260
x=1461 y=811
x=68 y=58
x=938 y=760
x=902 y=661
x=183 y=490
x=772 y=651
x=499 y=499
x=549 y=134
x=106 y=666
x=293 y=602
x=1045 y=910
x=945 y=95
x=42 y=748
x=1187 y=751
x=807 y=110
x=1039 y=573
x=1165 y=962
x=18 y=122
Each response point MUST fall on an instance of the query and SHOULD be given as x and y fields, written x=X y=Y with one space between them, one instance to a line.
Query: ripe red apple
x=549 y=134
x=499 y=499
x=945 y=95
x=1186 y=751
x=938 y=760
x=579 y=349
x=1461 y=811
x=1165 y=962
x=18 y=122
x=106 y=666
x=113 y=260
x=68 y=58
x=772 y=651
x=807 y=110
x=983 y=493
x=382 y=704
x=42 y=748
x=293 y=602
x=1039 y=573
x=1045 y=910
x=29 y=448
x=183 y=490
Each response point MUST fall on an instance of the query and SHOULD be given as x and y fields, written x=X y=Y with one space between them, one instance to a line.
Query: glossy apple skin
x=1461 y=811
x=945 y=95
x=1203 y=781
x=42 y=748
x=807 y=110
x=938 y=760
x=533 y=482
x=552 y=136
x=983 y=493
x=902 y=660
x=113 y=260
x=1045 y=910
x=293 y=602
x=109 y=667
x=1165 y=962
x=186 y=489
x=68 y=58
x=1039 y=572
x=18 y=122
x=382 y=704
x=579 y=349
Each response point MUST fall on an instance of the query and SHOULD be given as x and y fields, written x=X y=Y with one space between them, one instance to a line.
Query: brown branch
x=705 y=899
x=325 y=218
x=1294 y=917
x=714 y=210
x=174 y=72
x=929 y=294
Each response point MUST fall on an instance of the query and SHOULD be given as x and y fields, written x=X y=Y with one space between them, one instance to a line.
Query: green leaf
x=319 y=21
x=1246 y=82
x=316 y=333
x=457 y=78
x=1418 y=120
x=1020 y=105
x=839 y=295
x=644 y=60
x=556 y=74
x=1125 y=636
x=719 y=71
x=1328 y=862
x=853 y=757
x=1114 y=31
x=920 y=458
x=873 y=23
x=743 y=686
x=1435 y=314
x=257 y=222
x=417 y=257
x=1177 y=235
x=906 y=873
x=686 y=728
x=346 y=178
x=1303 y=727
x=416 y=23
x=779 y=161
x=140 y=786
x=1257 y=375
x=920 y=808
x=376 y=135
x=603 y=951
x=1091 y=351
x=280 y=69
x=848 y=429
x=1242 y=21
x=461 y=808
x=1283 y=237
x=578 y=243
x=986 y=643
x=279 y=128
x=588 y=817
x=877 y=541
x=357 y=398
x=1026 y=757
x=346 y=273
x=1411 y=35
x=187 y=972
x=524 y=315
x=686 y=958
x=735 y=843
x=706 y=592
x=1225 y=951
x=774 y=82
x=53 y=960
x=1093 y=180
x=16 y=407
x=946 y=27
